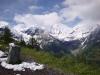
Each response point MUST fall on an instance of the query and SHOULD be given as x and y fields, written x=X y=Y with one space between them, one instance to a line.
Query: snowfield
x=20 y=67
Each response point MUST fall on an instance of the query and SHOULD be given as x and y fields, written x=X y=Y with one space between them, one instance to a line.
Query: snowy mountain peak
x=82 y=31
x=60 y=32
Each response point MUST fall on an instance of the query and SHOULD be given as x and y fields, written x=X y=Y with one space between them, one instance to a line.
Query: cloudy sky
x=47 y=13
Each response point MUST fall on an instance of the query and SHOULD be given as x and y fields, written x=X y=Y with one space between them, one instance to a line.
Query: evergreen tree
x=33 y=42
x=7 y=36
x=22 y=42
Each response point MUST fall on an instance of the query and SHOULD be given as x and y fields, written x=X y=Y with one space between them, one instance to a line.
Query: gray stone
x=14 y=55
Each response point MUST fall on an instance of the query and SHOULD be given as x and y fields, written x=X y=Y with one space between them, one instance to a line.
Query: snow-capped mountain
x=82 y=31
x=64 y=33
x=60 y=32
x=46 y=40
x=18 y=35
x=93 y=39
x=69 y=39
x=87 y=34
x=49 y=42
x=58 y=38
x=57 y=31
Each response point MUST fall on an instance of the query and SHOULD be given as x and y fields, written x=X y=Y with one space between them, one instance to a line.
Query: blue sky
x=9 y=8
x=67 y=12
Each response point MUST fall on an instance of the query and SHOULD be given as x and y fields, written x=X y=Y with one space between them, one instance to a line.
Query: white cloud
x=20 y=27
x=56 y=6
x=87 y=10
x=46 y=20
x=51 y=22
x=34 y=7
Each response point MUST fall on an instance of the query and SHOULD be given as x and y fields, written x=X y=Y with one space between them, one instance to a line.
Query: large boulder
x=14 y=54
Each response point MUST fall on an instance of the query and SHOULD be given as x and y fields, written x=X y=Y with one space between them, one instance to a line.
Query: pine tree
x=34 y=43
x=22 y=42
x=7 y=36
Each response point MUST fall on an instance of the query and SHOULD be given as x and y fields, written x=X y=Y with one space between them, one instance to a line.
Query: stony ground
x=45 y=71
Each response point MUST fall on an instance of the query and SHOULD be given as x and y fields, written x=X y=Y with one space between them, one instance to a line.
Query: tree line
x=7 y=37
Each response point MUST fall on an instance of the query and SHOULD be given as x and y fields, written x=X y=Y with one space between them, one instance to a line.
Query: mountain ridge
x=73 y=39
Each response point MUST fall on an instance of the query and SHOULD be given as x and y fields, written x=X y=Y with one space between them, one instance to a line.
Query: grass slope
x=65 y=64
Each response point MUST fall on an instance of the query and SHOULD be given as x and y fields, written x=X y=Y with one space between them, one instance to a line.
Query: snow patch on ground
x=3 y=59
x=20 y=67
x=24 y=65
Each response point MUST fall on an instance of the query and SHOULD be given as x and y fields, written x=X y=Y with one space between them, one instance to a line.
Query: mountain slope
x=58 y=39
x=82 y=31
x=93 y=39
x=49 y=42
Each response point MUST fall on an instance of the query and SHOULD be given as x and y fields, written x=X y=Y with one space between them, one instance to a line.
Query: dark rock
x=14 y=55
